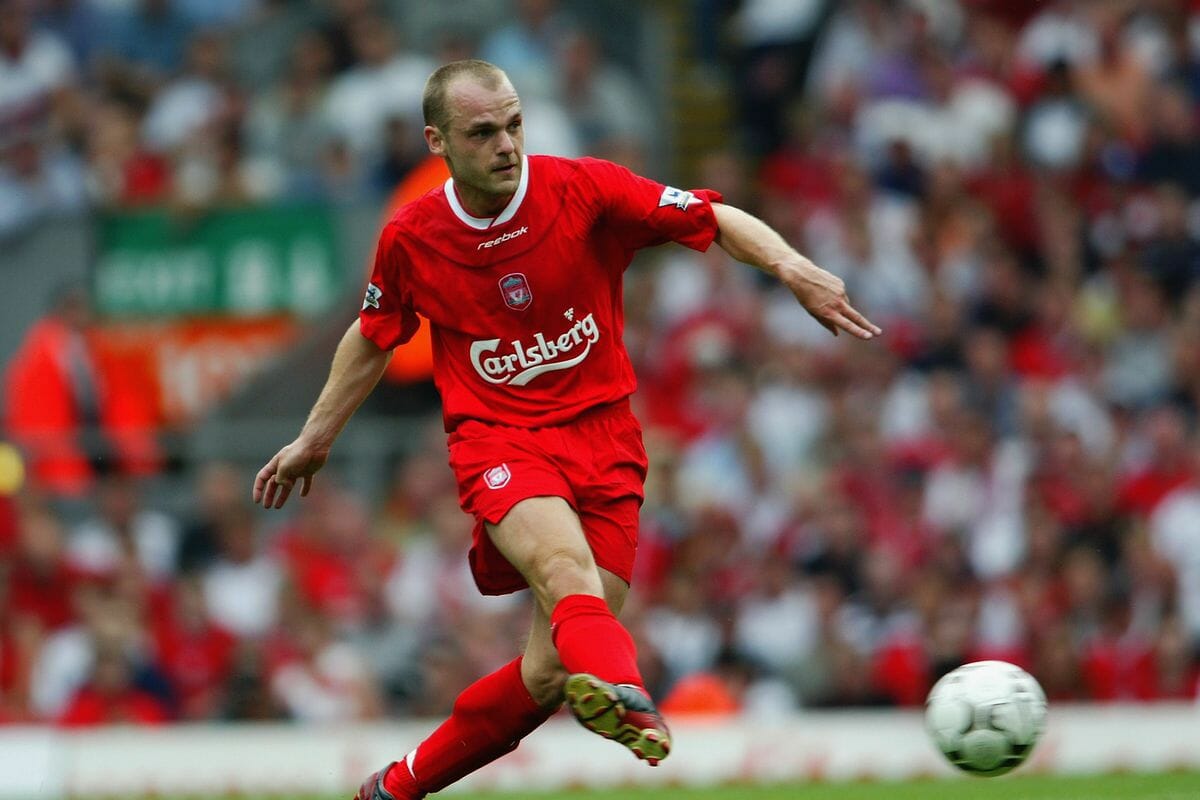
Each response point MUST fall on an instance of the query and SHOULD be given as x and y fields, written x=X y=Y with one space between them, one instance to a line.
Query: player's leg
x=489 y=719
x=490 y=716
x=493 y=714
x=541 y=668
x=615 y=711
x=543 y=538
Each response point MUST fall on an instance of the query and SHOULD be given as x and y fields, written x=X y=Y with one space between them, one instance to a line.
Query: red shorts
x=595 y=462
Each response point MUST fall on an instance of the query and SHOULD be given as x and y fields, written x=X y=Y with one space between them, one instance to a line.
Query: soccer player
x=517 y=262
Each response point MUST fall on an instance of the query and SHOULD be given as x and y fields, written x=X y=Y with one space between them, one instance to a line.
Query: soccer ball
x=986 y=717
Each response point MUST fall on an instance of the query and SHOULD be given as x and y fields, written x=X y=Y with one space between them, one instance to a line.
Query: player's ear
x=435 y=140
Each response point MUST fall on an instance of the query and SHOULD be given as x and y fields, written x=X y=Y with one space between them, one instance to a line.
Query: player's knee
x=545 y=683
x=564 y=572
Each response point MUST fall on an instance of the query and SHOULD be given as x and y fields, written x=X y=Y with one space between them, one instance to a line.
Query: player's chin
x=506 y=180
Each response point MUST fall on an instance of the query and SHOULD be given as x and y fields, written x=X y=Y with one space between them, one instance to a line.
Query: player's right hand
x=823 y=295
x=298 y=461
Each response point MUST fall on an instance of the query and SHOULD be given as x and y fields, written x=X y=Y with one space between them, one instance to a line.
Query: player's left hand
x=823 y=295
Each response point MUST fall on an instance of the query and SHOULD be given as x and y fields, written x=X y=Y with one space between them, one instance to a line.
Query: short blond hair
x=433 y=101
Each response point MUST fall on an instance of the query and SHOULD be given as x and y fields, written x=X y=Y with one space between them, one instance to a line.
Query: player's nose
x=505 y=143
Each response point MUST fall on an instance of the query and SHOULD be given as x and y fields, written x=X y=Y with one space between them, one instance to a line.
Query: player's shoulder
x=548 y=165
x=573 y=167
x=577 y=181
x=414 y=218
x=416 y=213
x=550 y=174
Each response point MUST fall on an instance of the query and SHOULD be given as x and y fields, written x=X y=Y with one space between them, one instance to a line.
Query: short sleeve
x=644 y=213
x=386 y=317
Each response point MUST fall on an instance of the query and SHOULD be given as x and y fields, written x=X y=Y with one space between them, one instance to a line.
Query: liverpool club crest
x=497 y=477
x=515 y=290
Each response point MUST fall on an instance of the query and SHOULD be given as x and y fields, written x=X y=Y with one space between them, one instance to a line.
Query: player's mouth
x=507 y=169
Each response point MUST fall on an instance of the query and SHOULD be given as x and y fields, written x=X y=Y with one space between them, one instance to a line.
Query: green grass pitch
x=1172 y=786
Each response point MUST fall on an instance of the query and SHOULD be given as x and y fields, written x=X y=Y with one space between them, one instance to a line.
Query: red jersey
x=526 y=308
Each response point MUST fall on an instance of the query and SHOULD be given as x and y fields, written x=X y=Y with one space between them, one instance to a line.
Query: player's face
x=483 y=145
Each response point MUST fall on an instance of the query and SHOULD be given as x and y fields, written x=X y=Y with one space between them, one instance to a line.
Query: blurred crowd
x=195 y=103
x=1012 y=471
x=1009 y=189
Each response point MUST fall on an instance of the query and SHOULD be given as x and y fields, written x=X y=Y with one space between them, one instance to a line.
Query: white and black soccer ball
x=986 y=717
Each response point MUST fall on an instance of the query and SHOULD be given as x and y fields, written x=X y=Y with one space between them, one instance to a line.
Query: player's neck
x=480 y=204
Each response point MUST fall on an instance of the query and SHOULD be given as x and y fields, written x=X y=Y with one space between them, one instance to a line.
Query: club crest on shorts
x=497 y=477
x=515 y=291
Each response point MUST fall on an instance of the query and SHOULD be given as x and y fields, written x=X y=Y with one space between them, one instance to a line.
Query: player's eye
x=514 y=126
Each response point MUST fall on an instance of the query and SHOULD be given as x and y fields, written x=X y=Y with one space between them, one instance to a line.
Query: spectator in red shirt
x=110 y=697
x=196 y=656
x=124 y=171
x=41 y=581
x=328 y=553
x=1118 y=663
x=1169 y=466
x=59 y=389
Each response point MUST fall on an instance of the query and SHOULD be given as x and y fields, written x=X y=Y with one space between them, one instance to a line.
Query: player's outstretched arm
x=357 y=366
x=823 y=294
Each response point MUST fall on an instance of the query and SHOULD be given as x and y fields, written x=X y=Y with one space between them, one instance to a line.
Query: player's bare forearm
x=357 y=366
x=823 y=294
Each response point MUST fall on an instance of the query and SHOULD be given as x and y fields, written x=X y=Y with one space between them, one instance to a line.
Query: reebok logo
x=505 y=238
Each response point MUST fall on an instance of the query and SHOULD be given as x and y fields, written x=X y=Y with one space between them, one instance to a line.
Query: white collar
x=510 y=211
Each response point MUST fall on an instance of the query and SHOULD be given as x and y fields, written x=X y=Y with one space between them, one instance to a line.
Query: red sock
x=589 y=639
x=400 y=784
x=489 y=718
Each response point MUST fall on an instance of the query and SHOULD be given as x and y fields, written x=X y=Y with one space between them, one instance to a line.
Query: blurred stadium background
x=189 y=196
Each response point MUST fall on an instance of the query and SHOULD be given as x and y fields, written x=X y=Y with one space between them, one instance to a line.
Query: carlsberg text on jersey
x=526 y=362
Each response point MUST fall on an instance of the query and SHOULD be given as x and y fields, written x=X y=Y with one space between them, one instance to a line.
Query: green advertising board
x=243 y=263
